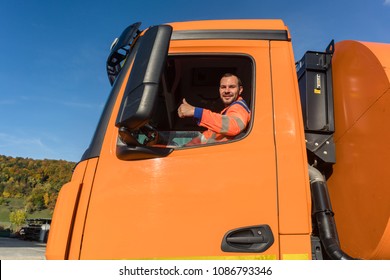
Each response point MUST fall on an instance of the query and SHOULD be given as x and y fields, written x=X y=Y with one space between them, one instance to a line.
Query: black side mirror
x=142 y=88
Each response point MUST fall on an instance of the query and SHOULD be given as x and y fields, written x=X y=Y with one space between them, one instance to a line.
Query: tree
x=18 y=217
x=6 y=194
x=37 y=182
x=46 y=199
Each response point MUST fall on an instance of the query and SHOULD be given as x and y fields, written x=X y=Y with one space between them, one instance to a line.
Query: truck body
x=306 y=180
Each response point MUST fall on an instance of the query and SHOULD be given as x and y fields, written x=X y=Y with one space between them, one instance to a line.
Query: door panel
x=182 y=205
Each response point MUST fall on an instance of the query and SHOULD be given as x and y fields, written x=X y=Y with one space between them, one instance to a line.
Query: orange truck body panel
x=182 y=205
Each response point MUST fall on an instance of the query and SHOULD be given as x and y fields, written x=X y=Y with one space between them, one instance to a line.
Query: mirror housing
x=142 y=87
x=120 y=50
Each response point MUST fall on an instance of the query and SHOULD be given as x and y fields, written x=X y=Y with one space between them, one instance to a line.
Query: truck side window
x=196 y=79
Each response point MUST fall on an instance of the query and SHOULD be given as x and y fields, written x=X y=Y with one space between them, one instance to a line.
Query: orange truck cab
x=140 y=192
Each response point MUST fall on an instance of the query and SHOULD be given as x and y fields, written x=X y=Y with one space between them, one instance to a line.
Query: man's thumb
x=184 y=101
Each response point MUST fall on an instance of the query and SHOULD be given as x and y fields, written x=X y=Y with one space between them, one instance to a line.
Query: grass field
x=16 y=204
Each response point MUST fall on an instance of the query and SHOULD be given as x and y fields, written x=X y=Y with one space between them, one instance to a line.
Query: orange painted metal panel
x=293 y=185
x=359 y=186
x=79 y=218
x=382 y=249
x=61 y=227
x=359 y=80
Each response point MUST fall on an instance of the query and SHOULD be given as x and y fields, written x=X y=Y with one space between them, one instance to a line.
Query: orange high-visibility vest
x=225 y=125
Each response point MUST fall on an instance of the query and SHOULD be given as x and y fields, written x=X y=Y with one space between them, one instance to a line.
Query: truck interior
x=196 y=79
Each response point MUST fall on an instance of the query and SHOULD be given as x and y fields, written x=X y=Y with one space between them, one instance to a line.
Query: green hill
x=31 y=185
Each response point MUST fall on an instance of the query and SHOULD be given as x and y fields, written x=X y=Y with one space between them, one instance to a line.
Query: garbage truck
x=306 y=179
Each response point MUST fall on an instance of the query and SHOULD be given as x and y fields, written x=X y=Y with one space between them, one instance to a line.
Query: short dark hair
x=227 y=75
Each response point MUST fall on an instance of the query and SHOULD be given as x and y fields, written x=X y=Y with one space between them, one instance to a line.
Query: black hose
x=323 y=215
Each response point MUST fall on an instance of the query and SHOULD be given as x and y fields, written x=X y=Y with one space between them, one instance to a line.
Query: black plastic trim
x=275 y=35
x=120 y=50
x=98 y=137
x=130 y=152
x=142 y=88
x=252 y=239
x=323 y=219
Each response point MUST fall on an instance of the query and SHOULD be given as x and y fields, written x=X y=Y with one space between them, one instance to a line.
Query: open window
x=147 y=121
x=196 y=78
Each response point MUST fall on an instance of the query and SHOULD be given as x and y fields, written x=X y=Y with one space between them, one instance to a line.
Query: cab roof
x=270 y=26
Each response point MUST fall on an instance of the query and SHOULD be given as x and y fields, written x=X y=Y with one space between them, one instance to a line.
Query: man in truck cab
x=227 y=124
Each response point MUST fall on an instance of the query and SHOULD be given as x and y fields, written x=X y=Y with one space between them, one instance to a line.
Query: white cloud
x=23 y=146
x=387 y=3
x=7 y=140
x=44 y=146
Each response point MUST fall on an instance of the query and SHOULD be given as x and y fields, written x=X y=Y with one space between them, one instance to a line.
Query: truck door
x=153 y=196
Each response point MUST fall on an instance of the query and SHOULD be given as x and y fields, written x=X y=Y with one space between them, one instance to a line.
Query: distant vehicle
x=36 y=229
x=314 y=156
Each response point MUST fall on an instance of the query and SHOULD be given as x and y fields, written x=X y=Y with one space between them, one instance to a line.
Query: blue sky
x=53 y=82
